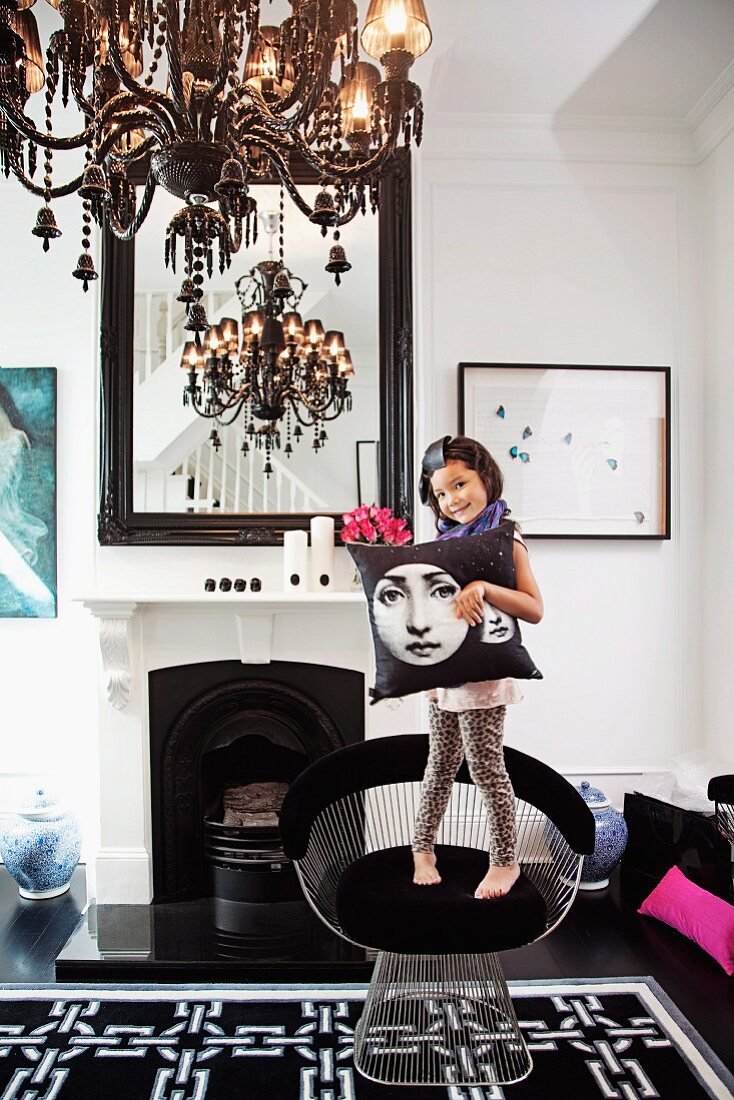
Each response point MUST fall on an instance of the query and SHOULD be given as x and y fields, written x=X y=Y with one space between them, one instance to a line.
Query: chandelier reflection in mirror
x=285 y=375
x=233 y=101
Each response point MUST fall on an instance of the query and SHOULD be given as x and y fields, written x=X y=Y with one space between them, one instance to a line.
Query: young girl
x=462 y=483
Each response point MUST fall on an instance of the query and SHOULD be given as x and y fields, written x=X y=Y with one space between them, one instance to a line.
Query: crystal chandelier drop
x=208 y=100
x=283 y=376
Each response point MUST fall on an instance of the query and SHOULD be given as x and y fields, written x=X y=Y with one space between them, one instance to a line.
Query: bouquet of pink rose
x=368 y=523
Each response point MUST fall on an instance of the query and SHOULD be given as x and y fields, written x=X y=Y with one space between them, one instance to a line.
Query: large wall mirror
x=162 y=480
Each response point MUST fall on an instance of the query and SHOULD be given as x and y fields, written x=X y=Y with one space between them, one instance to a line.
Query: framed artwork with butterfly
x=585 y=450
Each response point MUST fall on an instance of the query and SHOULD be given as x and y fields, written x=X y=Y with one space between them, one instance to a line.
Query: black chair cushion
x=379 y=906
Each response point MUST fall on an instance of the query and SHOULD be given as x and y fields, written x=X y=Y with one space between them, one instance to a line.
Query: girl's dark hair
x=463 y=449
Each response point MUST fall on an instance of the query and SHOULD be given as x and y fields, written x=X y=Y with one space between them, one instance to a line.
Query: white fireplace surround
x=142 y=633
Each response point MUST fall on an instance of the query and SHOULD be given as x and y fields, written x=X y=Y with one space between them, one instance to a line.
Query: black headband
x=434 y=459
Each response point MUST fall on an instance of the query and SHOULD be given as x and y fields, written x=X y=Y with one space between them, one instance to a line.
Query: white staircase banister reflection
x=222 y=478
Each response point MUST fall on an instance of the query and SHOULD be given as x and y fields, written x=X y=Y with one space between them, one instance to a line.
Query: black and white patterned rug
x=617 y=1039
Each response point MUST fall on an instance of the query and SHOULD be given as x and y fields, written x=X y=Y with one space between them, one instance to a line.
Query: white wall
x=718 y=441
x=48 y=728
x=531 y=259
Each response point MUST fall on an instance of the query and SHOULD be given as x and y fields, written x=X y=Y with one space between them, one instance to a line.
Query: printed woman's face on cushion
x=497 y=627
x=414 y=607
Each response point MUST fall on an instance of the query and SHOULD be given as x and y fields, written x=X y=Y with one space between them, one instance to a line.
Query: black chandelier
x=285 y=374
x=233 y=102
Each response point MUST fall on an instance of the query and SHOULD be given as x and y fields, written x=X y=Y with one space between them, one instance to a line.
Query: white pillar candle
x=322 y=553
x=295 y=561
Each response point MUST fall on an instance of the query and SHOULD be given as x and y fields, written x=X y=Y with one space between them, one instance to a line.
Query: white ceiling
x=635 y=58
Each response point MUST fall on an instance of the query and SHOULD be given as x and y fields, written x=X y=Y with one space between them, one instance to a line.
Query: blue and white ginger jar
x=40 y=846
x=611 y=838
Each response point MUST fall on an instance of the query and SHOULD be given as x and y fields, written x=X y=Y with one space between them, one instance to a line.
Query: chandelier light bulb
x=215 y=340
x=230 y=333
x=263 y=70
x=396 y=25
x=361 y=110
x=190 y=357
x=334 y=343
x=396 y=19
x=252 y=326
x=293 y=327
x=345 y=365
x=356 y=97
x=314 y=333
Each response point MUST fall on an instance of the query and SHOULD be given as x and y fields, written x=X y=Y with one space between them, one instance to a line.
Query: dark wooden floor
x=602 y=937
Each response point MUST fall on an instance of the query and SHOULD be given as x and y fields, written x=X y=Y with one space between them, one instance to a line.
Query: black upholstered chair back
x=384 y=762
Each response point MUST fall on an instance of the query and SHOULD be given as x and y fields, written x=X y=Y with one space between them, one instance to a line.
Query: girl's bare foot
x=498 y=881
x=425 y=873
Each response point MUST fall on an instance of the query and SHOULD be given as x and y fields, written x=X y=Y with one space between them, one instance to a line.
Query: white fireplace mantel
x=255 y=616
x=140 y=633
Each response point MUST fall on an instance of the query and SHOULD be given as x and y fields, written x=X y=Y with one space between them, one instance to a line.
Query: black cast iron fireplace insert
x=220 y=723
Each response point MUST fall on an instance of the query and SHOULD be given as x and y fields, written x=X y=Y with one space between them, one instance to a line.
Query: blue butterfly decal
x=513 y=452
x=612 y=463
x=640 y=517
x=527 y=432
x=568 y=438
x=501 y=411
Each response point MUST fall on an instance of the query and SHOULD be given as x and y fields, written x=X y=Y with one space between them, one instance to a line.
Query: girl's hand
x=470 y=603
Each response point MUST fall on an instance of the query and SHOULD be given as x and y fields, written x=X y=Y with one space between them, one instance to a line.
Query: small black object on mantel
x=210 y=584
x=225 y=584
x=255 y=584
x=240 y=585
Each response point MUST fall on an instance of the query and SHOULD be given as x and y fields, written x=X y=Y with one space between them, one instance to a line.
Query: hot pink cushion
x=704 y=918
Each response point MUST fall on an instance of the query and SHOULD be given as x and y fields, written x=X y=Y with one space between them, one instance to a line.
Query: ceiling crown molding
x=527 y=137
x=637 y=139
x=710 y=127
x=486 y=120
x=711 y=97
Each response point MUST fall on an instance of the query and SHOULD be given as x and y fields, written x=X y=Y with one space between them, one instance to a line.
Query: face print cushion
x=419 y=641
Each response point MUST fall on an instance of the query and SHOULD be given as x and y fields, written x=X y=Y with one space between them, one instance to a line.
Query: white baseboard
x=123 y=876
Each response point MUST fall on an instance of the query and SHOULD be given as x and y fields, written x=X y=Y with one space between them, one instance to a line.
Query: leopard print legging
x=476 y=734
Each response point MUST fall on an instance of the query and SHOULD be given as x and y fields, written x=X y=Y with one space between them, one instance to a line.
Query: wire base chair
x=440 y=1020
x=438 y=1010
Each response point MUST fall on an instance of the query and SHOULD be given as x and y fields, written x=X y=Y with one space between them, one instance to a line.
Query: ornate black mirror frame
x=119 y=525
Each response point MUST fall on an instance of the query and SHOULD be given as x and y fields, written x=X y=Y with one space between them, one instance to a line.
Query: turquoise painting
x=28 y=492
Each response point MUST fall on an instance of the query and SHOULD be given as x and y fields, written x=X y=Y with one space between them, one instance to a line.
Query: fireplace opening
x=247 y=766
x=226 y=741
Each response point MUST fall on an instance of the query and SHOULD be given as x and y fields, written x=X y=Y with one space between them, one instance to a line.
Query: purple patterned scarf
x=488 y=519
